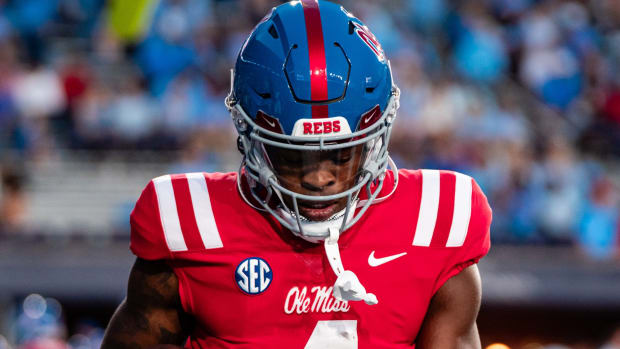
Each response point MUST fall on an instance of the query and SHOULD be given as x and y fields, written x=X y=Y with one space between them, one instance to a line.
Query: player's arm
x=152 y=313
x=450 y=321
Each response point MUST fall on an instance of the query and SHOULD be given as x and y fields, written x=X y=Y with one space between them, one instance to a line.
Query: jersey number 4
x=334 y=334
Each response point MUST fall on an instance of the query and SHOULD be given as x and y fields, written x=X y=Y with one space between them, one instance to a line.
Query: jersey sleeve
x=477 y=241
x=147 y=236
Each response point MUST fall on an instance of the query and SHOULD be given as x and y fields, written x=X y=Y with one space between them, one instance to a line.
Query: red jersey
x=249 y=283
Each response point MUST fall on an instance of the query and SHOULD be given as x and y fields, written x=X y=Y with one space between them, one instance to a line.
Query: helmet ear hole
x=240 y=146
x=273 y=32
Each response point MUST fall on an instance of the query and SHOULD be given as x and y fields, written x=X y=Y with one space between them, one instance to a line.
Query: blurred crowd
x=524 y=95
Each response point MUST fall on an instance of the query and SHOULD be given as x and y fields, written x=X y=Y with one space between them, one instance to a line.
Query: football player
x=318 y=241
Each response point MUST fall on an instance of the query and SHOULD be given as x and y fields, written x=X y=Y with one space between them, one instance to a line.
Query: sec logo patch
x=253 y=275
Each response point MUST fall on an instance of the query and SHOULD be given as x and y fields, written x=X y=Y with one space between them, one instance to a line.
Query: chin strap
x=347 y=286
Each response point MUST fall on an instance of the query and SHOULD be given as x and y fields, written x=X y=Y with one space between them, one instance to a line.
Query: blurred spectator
x=12 y=202
x=185 y=103
x=38 y=97
x=548 y=68
x=75 y=76
x=79 y=16
x=90 y=115
x=563 y=180
x=161 y=58
x=38 y=92
x=202 y=152
x=8 y=112
x=441 y=110
x=30 y=18
x=428 y=16
x=168 y=49
x=614 y=340
x=480 y=53
x=611 y=107
x=133 y=114
x=598 y=231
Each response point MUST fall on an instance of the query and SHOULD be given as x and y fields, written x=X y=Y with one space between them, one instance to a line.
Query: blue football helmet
x=312 y=79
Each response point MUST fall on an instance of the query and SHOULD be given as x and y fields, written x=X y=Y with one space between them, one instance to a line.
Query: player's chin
x=320 y=211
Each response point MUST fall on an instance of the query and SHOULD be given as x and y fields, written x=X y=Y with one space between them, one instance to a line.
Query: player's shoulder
x=451 y=208
x=216 y=178
x=436 y=177
x=174 y=213
x=452 y=219
x=454 y=185
x=187 y=186
x=175 y=189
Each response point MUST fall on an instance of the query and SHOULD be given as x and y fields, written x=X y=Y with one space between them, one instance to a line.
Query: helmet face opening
x=317 y=173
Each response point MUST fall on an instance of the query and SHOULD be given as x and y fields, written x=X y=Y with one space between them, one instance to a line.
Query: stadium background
x=97 y=97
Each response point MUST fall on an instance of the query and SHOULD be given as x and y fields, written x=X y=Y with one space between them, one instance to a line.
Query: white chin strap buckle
x=347 y=286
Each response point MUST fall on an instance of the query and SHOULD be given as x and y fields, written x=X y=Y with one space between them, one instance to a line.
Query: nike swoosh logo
x=375 y=262
x=368 y=118
x=272 y=123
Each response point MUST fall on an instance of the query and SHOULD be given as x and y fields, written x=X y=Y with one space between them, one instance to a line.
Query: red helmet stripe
x=316 y=52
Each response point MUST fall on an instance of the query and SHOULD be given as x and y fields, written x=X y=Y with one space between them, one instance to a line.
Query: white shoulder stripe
x=429 y=206
x=203 y=211
x=169 y=214
x=462 y=211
